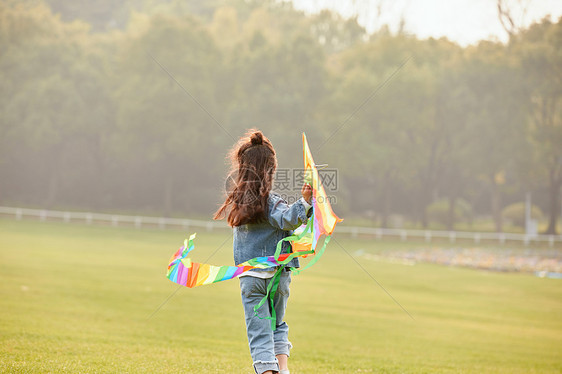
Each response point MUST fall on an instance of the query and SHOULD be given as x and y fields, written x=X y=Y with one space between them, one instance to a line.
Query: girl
x=260 y=218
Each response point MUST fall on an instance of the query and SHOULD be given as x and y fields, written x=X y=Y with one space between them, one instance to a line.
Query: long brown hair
x=249 y=182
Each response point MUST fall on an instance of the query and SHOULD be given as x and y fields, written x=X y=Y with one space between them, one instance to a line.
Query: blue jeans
x=264 y=343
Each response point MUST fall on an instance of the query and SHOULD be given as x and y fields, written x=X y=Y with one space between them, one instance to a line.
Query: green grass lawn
x=77 y=299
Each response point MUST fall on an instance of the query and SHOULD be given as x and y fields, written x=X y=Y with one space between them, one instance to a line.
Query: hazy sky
x=464 y=21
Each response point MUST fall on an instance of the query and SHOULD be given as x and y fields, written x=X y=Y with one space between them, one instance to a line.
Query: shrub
x=515 y=213
x=439 y=211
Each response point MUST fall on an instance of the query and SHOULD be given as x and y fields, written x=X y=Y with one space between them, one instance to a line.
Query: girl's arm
x=287 y=217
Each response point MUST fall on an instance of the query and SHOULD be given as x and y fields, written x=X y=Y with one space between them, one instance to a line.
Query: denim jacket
x=260 y=239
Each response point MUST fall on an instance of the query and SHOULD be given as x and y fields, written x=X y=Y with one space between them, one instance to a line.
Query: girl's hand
x=306 y=192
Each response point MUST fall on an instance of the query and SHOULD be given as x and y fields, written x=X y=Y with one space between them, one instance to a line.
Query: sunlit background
x=443 y=115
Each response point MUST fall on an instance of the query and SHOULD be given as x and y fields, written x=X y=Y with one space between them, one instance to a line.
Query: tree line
x=139 y=117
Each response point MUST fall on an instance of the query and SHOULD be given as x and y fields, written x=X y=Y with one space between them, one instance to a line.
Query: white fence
x=111 y=219
x=451 y=236
x=187 y=224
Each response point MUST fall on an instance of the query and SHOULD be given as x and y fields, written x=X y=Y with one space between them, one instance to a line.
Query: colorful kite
x=183 y=271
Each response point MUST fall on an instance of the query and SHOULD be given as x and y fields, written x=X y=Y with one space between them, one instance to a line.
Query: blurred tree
x=225 y=28
x=159 y=124
x=410 y=126
x=105 y=15
x=497 y=121
x=334 y=32
x=47 y=107
x=440 y=211
x=511 y=15
x=453 y=102
x=279 y=84
x=539 y=50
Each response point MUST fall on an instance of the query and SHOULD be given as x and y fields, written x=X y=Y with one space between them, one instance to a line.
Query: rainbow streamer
x=183 y=271
x=305 y=239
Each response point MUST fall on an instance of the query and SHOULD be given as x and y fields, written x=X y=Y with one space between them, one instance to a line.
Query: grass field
x=77 y=299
